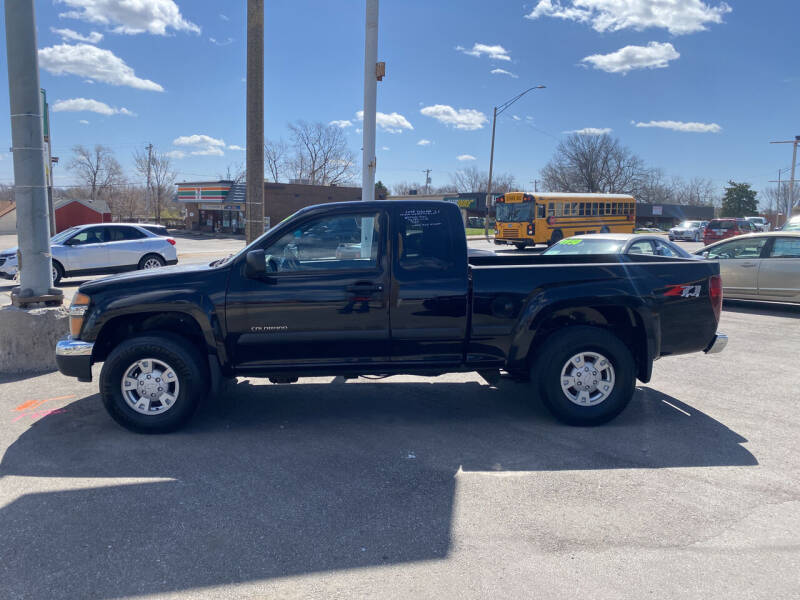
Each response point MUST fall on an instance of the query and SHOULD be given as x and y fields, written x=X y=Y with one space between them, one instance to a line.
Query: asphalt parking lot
x=417 y=487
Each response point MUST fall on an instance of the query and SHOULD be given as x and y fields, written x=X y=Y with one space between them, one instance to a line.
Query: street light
x=497 y=111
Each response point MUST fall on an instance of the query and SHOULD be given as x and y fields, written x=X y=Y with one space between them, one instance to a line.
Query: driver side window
x=748 y=248
x=336 y=242
x=93 y=235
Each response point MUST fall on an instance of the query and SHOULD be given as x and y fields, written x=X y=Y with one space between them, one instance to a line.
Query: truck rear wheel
x=153 y=383
x=586 y=375
x=520 y=245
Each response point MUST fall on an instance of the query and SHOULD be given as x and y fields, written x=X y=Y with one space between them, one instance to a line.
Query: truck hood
x=165 y=275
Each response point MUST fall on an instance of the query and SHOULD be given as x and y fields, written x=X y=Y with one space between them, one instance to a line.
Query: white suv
x=760 y=222
x=100 y=249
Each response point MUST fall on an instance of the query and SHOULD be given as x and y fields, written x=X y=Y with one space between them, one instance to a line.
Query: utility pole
x=427 y=180
x=373 y=72
x=27 y=144
x=535 y=183
x=147 y=189
x=255 y=120
x=794 y=142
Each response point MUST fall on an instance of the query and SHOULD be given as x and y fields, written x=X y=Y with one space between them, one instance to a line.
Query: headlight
x=77 y=310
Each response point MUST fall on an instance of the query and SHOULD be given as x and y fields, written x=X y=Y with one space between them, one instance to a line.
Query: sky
x=696 y=88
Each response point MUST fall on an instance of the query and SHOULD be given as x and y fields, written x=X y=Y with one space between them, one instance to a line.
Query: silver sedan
x=618 y=243
x=100 y=249
x=759 y=266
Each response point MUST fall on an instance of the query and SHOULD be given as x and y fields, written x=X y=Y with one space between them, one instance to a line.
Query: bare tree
x=6 y=195
x=162 y=176
x=321 y=155
x=97 y=169
x=780 y=198
x=275 y=157
x=593 y=164
x=235 y=173
x=471 y=180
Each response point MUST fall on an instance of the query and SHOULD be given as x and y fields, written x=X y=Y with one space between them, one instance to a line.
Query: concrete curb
x=28 y=338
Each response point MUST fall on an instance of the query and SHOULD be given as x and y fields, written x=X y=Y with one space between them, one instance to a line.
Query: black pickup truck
x=387 y=287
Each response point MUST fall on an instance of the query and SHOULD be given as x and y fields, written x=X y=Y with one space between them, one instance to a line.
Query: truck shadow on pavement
x=274 y=481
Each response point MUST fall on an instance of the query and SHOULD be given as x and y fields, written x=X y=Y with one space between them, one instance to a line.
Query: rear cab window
x=425 y=240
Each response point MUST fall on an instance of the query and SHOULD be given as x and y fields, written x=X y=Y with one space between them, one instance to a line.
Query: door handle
x=749 y=264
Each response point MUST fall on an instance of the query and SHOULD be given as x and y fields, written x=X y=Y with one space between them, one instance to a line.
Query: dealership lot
x=415 y=487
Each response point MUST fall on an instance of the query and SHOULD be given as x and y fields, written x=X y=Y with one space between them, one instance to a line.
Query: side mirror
x=705 y=254
x=256 y=264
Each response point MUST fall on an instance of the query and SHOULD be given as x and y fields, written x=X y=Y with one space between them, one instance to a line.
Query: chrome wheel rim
x=587 y=379
x=55 y=273
x=150 y=386
x=151 y=263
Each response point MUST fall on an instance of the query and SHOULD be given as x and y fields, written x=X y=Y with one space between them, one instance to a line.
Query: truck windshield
x=585 y=246
x=522 y=211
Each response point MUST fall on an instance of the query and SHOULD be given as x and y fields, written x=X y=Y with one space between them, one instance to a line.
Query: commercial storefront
x=219 y=206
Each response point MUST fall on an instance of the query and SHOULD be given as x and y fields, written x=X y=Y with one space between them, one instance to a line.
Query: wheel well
x=124 y=327
x=619 y=320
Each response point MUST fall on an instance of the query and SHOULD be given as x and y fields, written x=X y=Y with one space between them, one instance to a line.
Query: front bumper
x=74 y=358
x=718 y=344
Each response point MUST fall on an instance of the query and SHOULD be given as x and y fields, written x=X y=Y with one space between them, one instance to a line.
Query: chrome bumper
x=718 y=345
x=71 y=347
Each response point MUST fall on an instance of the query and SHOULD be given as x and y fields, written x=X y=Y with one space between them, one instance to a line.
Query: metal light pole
x=794 y=142
x=368 y=160
x=497 y=111
x=27 y=141
x=254 y=207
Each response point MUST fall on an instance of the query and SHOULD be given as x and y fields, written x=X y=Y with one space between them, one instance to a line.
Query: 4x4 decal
x=684 y=291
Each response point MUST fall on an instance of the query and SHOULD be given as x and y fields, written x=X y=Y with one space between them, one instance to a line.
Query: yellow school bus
x=529 y=219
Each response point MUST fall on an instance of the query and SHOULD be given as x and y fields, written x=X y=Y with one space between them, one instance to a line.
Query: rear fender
x=542 y=316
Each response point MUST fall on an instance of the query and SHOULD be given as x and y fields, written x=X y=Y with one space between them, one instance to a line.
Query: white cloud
x=676 y=16
x=95 y=63
x=461 y=118
x=504 y=72
x=224 y=17
x=463 y=157
x=494 y=52
x=201 y=144
x=89 y=105
x=83 y=122
x=516 y=118
x=176 y=154
x=386 y=148
x=216 y=42
x=68 y=35
x=236 y=147
x=424 y=142
x=341 y=123
x=390 y=123
x=653 y=56
x=591 y=131
x=686 y=127
x=130 y=16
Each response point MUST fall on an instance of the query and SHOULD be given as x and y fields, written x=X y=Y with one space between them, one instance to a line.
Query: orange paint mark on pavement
x=31 y=404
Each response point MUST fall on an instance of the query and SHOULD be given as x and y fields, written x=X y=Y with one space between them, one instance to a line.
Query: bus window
x=580 y=208
x=608 y=208
x=540 y=211
x=551 y=211
x=574 y=209
x=559 y=209
x=602 y=209
x=567 y=209
x=594 y=209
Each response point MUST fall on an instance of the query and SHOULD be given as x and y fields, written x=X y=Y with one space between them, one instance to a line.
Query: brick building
x=219 y=206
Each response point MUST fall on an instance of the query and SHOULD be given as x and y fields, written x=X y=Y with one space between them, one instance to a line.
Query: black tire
x=151 y=257
x=554 y=356
x=521 y=246
x=671 y=239
x=58 y=272
x=186 y=362
x=556 y=237
x=605 y=229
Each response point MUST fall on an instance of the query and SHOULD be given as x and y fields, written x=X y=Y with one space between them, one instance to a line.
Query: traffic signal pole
x=27 y=141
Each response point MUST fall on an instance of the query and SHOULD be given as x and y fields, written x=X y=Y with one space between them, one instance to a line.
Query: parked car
x=721 y=229
x=760 y=222
x=617 y=243
x=690 y=231
x=99 y=249
x=792 y=224
x=411 y=301
x=759 y=266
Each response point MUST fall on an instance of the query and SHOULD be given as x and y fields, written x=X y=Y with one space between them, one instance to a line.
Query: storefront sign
x=658 y=211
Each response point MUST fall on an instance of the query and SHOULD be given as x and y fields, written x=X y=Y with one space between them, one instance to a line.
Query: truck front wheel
x=586 y=375
x=153 y=383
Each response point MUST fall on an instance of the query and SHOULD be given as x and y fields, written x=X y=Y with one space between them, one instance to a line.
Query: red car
x=720 y=229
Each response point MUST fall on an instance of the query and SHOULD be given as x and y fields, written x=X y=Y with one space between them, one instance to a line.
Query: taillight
x=171 y=241
x=715 y=293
